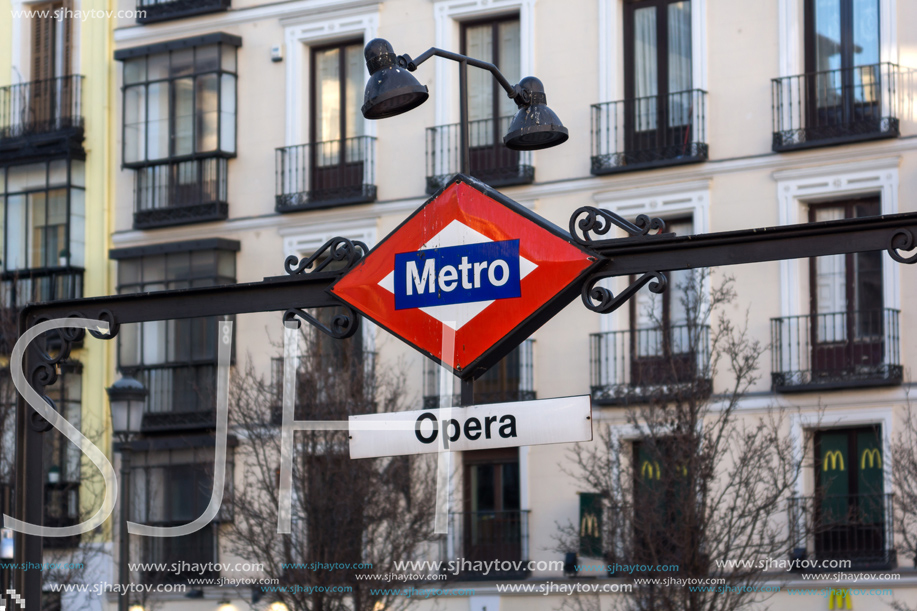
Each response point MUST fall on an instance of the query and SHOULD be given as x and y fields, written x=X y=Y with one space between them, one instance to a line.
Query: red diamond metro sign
x=469 y=261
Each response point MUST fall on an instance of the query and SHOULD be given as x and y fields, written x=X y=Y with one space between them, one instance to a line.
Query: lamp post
x=126 y=398
x=392 y=90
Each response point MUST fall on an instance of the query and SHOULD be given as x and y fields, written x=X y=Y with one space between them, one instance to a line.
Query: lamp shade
x=126 y=398
x=390 y=90
x=535 y=126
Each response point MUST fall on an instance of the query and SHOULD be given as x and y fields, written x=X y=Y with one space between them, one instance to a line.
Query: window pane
x=509 y=62
x=78 y=173
x=77 y=245
x=154 y=341
x=23 y=177
x=228 y=54
x=827 y=35
x=202 y=264
x=645 y=69
x=184 y=116
x=228 y=114
x=206 y=58
x=154 y=269
x=39 y=213
x=355 y=86
x=207 y=112
x=679 y=14
x=328 y=95
x=134 y=124
x=226 y=264
x=479 y=44
x=178 y=266
x=182 y=62
x=831 y=287
x=135 y=71
x=16 y=247
x=158 y=124
x=129 y=272
x=57 y=173
x=158 y=66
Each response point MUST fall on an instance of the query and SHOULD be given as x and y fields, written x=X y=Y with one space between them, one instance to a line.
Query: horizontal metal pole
x=665 y=253
x=269 y=295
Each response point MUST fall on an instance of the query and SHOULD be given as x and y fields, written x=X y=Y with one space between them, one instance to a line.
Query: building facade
x=55 y=186
x=239 y=141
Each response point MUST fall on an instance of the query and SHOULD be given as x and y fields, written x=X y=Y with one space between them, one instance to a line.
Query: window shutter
x=870 y=483
x=834 y=463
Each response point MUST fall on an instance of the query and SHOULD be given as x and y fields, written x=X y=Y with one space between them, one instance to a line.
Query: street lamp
x=392 y=90
x=126 y=397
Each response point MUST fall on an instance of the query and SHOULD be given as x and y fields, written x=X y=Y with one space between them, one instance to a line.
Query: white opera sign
x=497 y=425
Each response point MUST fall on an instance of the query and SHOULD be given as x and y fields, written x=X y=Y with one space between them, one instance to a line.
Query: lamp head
x=391 y=89
x=126 y=398
x=535 y=126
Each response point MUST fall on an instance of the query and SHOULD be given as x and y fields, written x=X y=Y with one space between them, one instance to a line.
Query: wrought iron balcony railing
x=649 y=132
x=180 y=193
x=836 y=106
x=491 y=535
x=41 y=107
x=491 y=162
x=325 y=174
x=639 y=365
x=855 y=527
x=151 y=11
x=513 y=379
x=835 y=350
x=25 y=286
x=180 y=397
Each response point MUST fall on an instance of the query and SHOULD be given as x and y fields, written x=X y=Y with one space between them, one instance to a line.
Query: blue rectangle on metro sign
x=457 y=274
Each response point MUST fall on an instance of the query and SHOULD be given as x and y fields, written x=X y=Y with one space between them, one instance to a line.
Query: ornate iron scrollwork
x=334 y=250
x=902 y=239
x=600 y=299
x=600 y=222
x=343 y=325
x=43 y=366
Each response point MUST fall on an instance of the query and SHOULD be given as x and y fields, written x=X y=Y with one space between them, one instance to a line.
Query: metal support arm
x=513 y=91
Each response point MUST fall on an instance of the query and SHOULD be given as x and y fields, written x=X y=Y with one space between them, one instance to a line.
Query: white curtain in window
x=645 y=68
x=679 y=17
x=831 y=287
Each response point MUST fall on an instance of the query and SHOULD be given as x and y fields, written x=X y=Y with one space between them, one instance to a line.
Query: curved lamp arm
x=515 y=92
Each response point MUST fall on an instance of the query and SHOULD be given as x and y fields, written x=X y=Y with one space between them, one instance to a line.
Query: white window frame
x=792 y=50
x=300 y=35
x=448 y=15
x=611 y=51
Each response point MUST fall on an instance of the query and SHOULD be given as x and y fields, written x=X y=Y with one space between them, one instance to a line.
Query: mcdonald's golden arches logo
x=874 y=456
x=646 y=470
x=841 y=598
x=835 y=459
x=589 y=526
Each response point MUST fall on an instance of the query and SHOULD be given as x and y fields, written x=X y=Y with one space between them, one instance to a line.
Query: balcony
x=651 y=132
x=859 y=528
x=326 y=174
x=832 y=351
x=512 y=379
x=41 y=118
x=487 y=536
x=836 y=106
x=180 y=397
x=491 y=162
x=642 y=365
x=180 y=193
x=19 y=288
x=164 y=10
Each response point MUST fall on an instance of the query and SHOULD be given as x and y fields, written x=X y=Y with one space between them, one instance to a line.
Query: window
x=42 y=241
x=850 y=505
x=663 y=340
x=489 y=109
x=62 y=458
x=512 y=379
x=179 y=103
x=173 y=488
x=175 y=359
x=841 y=34
x=847 y=330
x=494 y=525
x=661 y=487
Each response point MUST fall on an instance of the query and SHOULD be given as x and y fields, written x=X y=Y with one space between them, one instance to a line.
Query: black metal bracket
x=334 y=250
x=343 y=325
x=600 y=299
x=601 y=221
x=903 y=239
